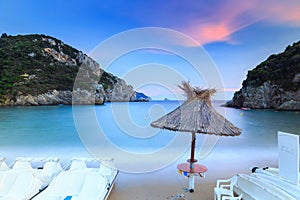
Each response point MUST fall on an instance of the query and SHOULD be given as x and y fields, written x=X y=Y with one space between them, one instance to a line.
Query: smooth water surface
x=51 y=130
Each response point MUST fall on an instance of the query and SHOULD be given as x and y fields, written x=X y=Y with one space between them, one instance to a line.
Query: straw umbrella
x=196 y=115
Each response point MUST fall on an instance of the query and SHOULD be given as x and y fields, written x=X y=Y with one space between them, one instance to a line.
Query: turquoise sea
x=51 y=130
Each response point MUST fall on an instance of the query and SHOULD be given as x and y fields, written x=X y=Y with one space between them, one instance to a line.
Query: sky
x=236 y=35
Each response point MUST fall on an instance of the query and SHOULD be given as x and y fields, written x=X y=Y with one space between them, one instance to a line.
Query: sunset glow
x=237 y=35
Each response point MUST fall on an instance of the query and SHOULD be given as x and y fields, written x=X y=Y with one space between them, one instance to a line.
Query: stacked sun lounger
x=22 y=181
x=272 y=172
x=78 y=181
x=268 y=183
x=261 y=184
x=253 y=187
x=81 y=182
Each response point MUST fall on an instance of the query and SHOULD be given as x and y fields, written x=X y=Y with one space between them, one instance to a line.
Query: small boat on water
x=245 y=108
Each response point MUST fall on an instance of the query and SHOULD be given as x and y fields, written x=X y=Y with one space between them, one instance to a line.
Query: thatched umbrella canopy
x=197 y=115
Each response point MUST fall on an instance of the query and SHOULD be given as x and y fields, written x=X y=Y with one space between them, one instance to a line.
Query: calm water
x=51 y=130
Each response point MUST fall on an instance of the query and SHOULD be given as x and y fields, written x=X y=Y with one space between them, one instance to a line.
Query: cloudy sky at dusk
x=237 y=35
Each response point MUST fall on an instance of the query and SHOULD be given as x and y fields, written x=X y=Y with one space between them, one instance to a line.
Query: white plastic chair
x=224 y=187
x=232 y=198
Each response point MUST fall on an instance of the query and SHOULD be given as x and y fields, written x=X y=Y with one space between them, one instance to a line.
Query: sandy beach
x=158 y=185
x=167 y=184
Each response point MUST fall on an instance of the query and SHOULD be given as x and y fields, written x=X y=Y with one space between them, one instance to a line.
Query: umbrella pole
x=191 y=169
x=191 y=183
x=192 y=161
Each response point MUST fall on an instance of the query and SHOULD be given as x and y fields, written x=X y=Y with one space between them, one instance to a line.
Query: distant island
x=41 y=70
x=142 y=97
x=273 y=84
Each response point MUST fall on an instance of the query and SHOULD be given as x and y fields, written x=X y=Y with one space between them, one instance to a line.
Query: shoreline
x=219 y=103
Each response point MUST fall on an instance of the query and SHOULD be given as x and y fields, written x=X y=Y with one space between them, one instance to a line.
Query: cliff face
x=41 y=70
x=275 y=83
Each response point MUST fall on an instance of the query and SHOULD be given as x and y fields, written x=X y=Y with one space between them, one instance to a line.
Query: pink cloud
x=232 y=16
x=283 y=11
x=206 y=33
x=219 y=20
x=227 y=19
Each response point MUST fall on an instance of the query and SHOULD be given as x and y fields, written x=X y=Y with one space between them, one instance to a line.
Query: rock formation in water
x=41 y=70
x=273 y=84
x=142 y=97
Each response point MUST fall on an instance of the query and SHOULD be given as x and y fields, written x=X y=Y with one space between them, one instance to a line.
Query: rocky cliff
x=41 y=70
x=273 y=84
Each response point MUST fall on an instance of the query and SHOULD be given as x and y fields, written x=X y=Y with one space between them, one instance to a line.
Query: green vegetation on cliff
x=274 y=83
x=280 y=69
x=36 y=64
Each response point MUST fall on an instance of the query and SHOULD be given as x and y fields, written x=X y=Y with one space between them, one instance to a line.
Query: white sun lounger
x=272 y=172
x=22 y=181
x=255 y=188
x=80 y=183
x=280 y=184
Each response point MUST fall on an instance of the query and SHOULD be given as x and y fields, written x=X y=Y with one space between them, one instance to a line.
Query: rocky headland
x=273 y=84
x=41 y=70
